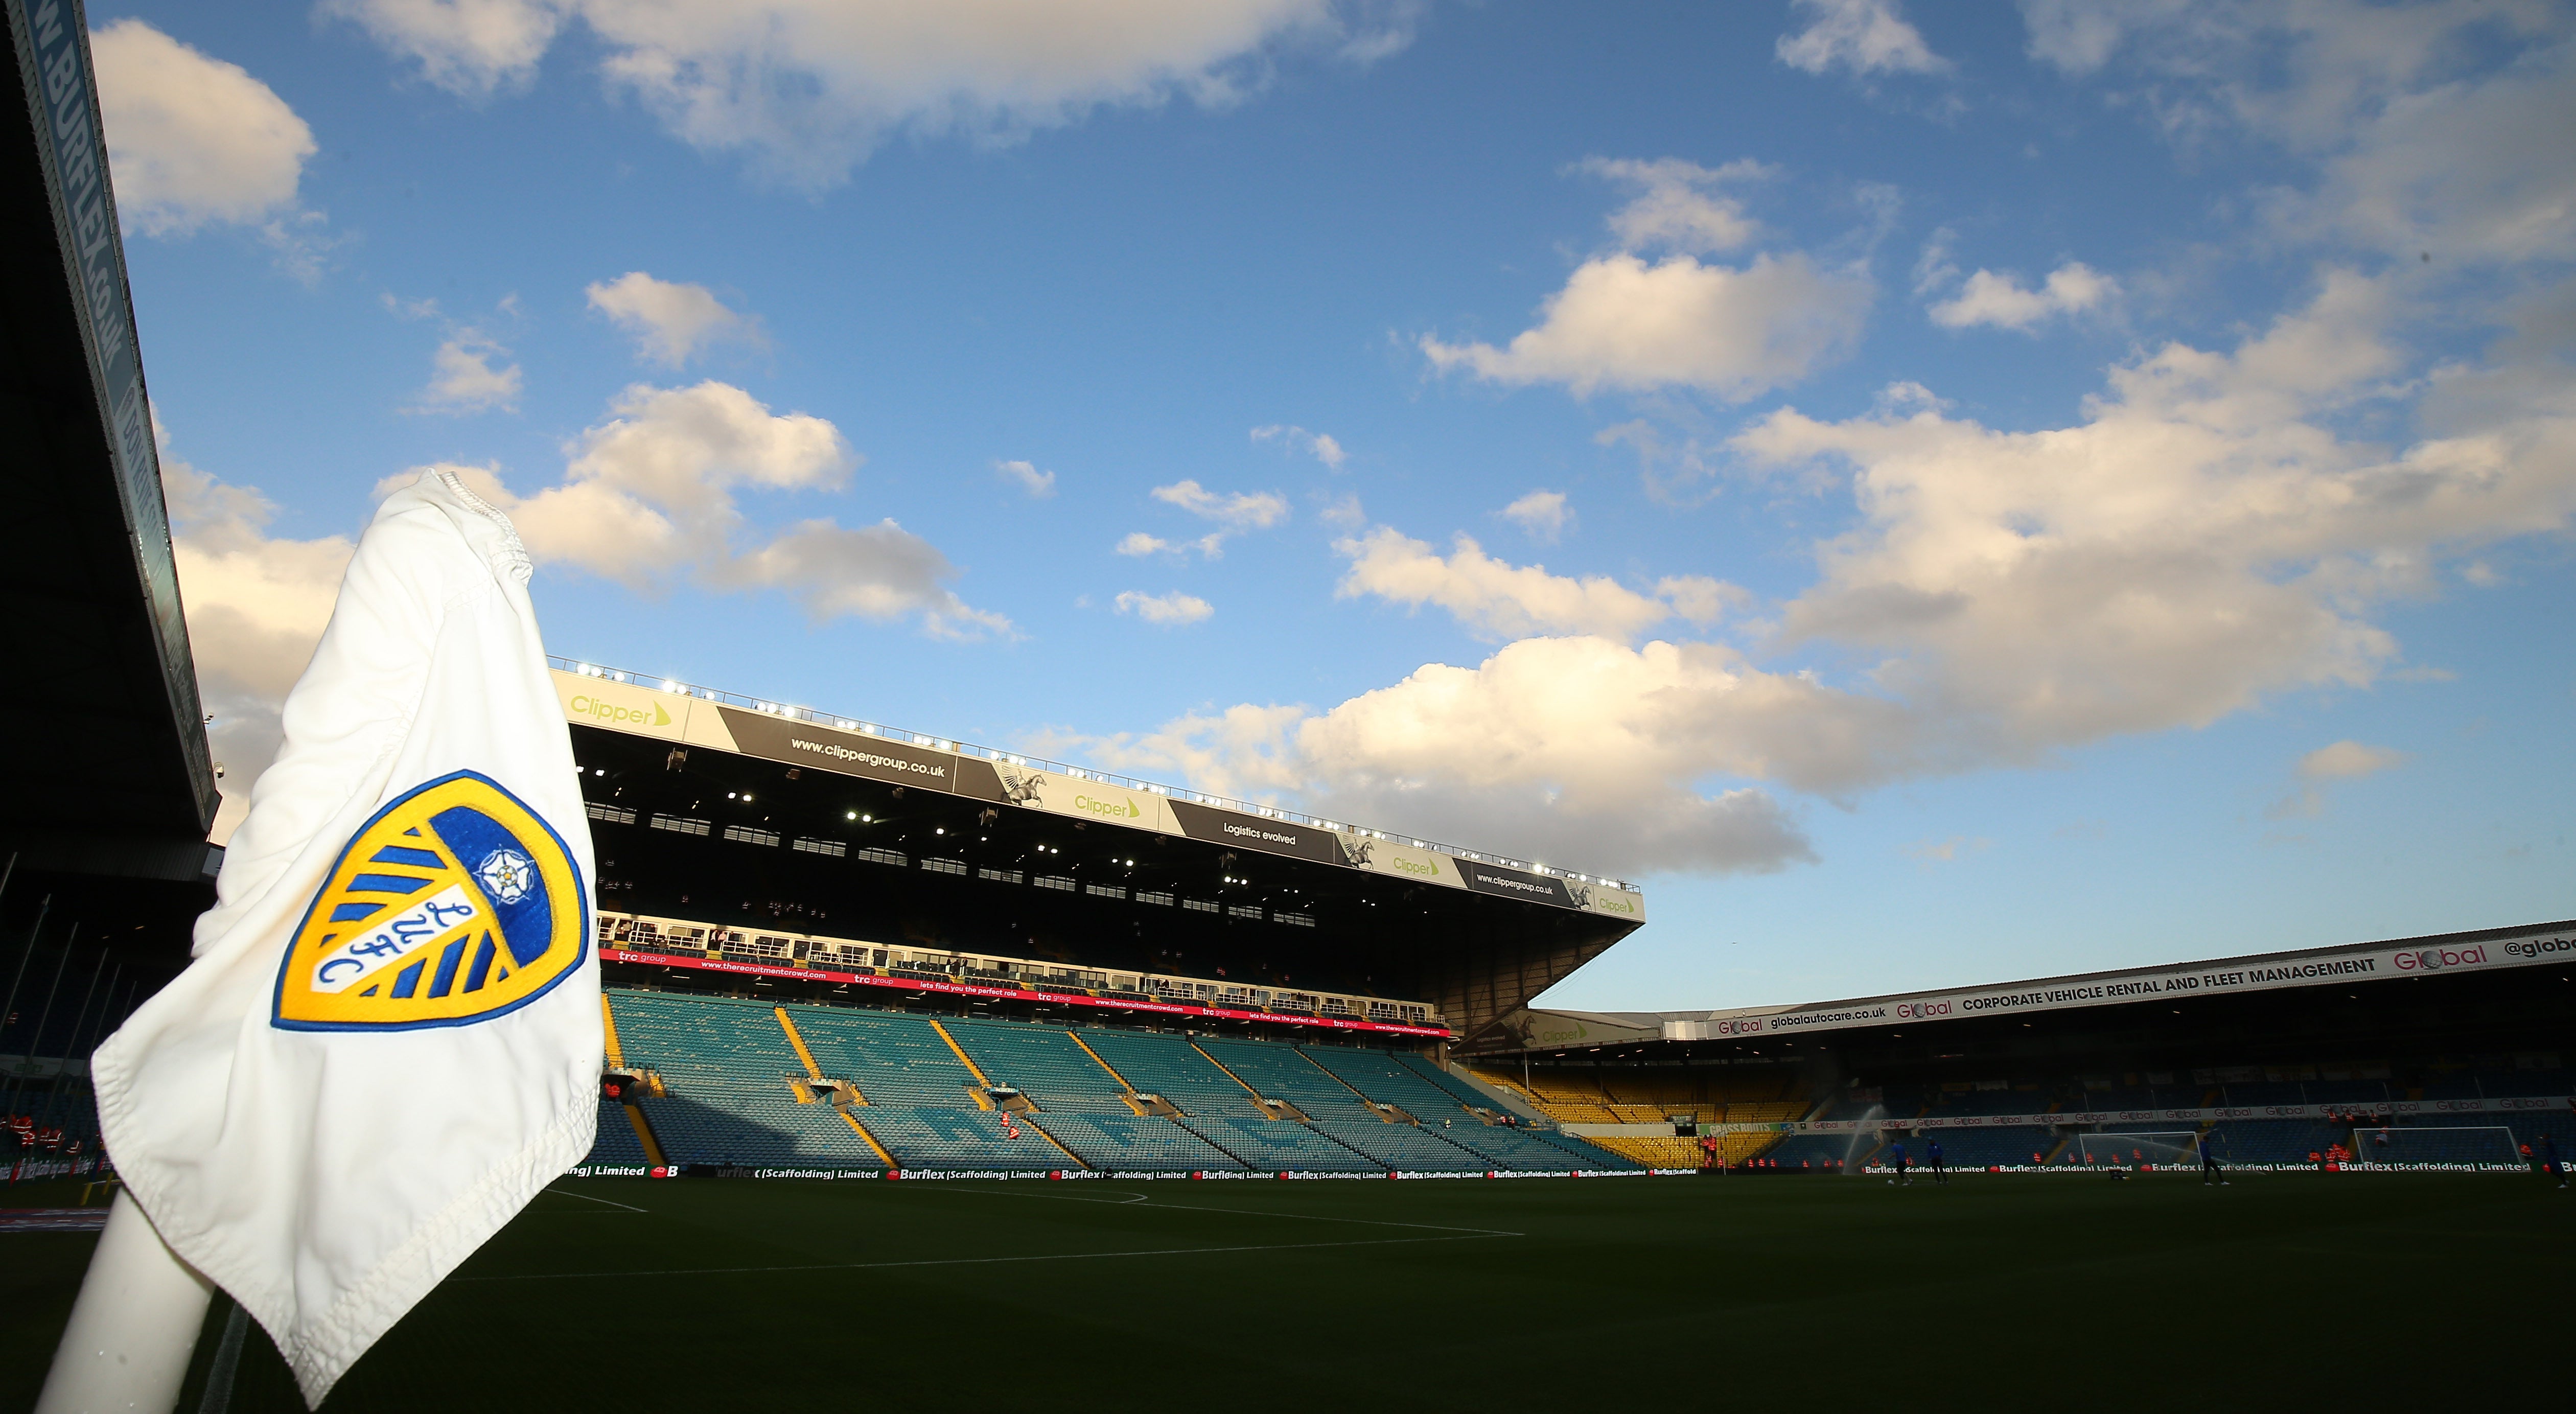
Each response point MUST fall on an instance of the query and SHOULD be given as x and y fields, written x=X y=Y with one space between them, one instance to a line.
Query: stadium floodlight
x=2160 y=1149
x=2437 y=1146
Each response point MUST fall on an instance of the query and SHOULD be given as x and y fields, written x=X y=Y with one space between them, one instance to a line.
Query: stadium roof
x=111 y=777
x=2487 y=949
x=860 y=832
x=662 y=707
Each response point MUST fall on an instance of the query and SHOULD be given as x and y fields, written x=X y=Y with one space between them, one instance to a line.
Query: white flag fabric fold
x=390 y=1037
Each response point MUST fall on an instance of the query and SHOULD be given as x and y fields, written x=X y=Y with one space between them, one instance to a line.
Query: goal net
x=2480 y=1144
x=2163 y=1149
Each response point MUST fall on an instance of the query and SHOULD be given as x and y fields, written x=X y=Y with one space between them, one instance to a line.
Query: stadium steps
x=1135 y=1143
x=862 y=1131
x=1048 y=1065
x=1040 y=1130
x=1272 y=1146
x=796 y=1043
x=608 y=1028
x=891 y=1057
x=644 y=1139
x=962 y=1058
x=1168 y=1066
x=1229 y=1073
x=723 y=1062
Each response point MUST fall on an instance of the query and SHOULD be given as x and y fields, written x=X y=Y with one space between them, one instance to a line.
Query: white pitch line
x=568 y=1193
x=978 y=1261
x=1142 y=1200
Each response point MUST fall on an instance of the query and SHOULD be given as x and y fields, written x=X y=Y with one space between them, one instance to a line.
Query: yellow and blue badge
x=456 y=903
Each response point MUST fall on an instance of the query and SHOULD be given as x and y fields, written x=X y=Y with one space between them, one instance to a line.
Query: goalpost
x=2160 y=1149
x=2483 y=1145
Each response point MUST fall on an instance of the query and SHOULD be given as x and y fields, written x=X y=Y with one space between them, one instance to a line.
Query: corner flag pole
x=134 y=1327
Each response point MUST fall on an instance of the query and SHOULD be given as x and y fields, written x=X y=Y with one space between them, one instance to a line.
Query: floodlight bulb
x=853 y=815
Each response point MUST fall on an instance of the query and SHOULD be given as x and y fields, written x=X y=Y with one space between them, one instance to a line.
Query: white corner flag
x=390 y=1039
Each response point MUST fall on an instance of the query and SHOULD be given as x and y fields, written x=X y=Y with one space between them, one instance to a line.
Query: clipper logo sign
x=455 y=904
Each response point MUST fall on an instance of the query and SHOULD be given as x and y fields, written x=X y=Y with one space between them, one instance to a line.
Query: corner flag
x=390 y=1038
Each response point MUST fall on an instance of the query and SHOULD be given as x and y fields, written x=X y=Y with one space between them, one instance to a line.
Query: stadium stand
x=727 y=1063
x=1643 y=1095
x=1046 y=1065
x=1385 y=1078
x=1411 y=1147
x=1279 y=1072
x=935 y=1137
x=1658 y=1151
x=949 y=1096
x=1279 y=1146
x=617 y=1143
x=1134 y=1144
x=1171 y=1067
x=894 y=1059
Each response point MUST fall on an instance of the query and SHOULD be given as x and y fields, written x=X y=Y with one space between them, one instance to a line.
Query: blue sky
x=1935 y=494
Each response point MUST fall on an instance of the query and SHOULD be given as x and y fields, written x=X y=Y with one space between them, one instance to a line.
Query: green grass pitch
x=2280 y=1290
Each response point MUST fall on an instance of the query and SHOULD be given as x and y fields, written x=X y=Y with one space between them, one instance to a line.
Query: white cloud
x=2469 y=172
x=464 y=377
x=1677 y=206
x=2201 y=540
x=807 y=88
x=2436 y=127
x=256 y=606
x=1577 y=752
x=1541 y=514
x=465 y=46
x=669 y=322
x=1622 y=323
x=2003 y=301
x=1240 y=510
x=1234 y=513
x=1168 y=610
x=195 y=141
x=2309 y=74
x=2339 y=761
x=1628 y=323
x=649 y=497
x=2348 y=760
x=1498 y=600
x=1026 y=476
x=1946 y=851
x=1863 y=36
x=1318 y=445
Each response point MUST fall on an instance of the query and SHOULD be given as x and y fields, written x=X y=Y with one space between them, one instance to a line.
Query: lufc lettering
x=406 y=934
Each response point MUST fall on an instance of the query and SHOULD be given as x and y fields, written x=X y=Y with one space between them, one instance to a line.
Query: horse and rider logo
x=456 y=903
